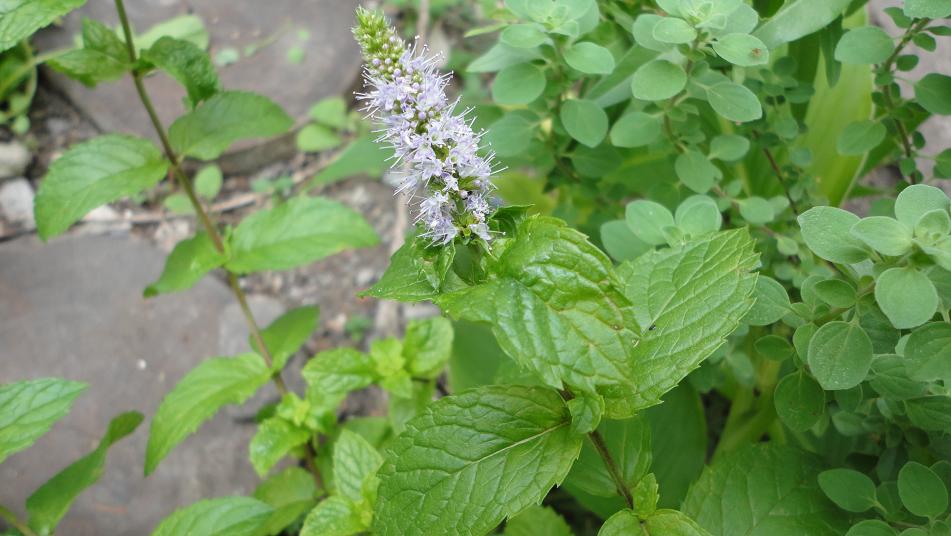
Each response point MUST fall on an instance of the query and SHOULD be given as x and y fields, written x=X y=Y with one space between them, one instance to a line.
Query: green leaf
x=589 y=58
x=584 y=120
x=620 y=242
x=29 y=408
x=772 y=302
x=826 y=231
x=840 y=355
x=274 y=439
x=355 y=463
x=688 y=299
x=586 y=412
x=472 y=459
x=864 y=45
x=536 y=520
x=928 y=353
x=734 y=102
x=917 y=200
x=404 y=278
x=314 y=138
x=330 y=111
x=636 y=129
x=672 y=523
x=742 y=49
x=229 y=116
x=48 y=504
x=871 y=527
x=523 y=36
x=188 y=262
x=851 y=490
x=800 y=401
x=331 y=374
x=518 y=84
x=334 y=516
x=623 y=523
x=427 y=346
x=648 y=221
x=511 y=135
x=798 y=18
x=658 y=80
x=698 y=215
x=226 y=516
x=729 y=147
x=188 y=64
x=208 y=181
x=860 y=137
x=756 y=210
x=836 y=292
x=566 y=322
x=679 y=452
x=186 y=27
x=922 y=491
x=103 y=56
x=93 y=173
x=629 y=442
x=885 y=235
x=363 y=156
x=23 y=17
x=927 y=9
x=933 y=93
x=198 y=396
x=291 y=493
x=763 y=490
x=907 y=297
x=300 y=231
x=674 y=31
x=287 y=334
x=643 y=31
x=696 y=171
x=891 y=379
x=932 y=413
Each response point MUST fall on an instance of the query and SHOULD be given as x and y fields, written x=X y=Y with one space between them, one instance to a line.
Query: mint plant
x=732 y=353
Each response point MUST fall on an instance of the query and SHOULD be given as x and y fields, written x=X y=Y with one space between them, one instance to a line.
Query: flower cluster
x=436 y=147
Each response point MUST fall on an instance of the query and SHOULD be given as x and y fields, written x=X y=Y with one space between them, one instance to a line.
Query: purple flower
x=442 y=169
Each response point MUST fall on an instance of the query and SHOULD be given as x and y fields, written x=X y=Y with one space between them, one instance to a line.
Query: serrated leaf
x=470 y=460
x=188 y=64
x=188 y=262
x=334 y=516
x=23 y=17
x=226 y=516
x=29 y=408
x=229 y=116
x=688 y=299
x=331 y=374
x=94 y=173
x=427 y=346
x=536 y=520
x=355 y=463
x=291 y=493
x=299 y=231
x=287 y=334
x=763 y=490
x=198 y=396
x=629 y=442
x=584 y=120
x=274 y=439
x=48 y=504
x=102 y=57
x=404 y=279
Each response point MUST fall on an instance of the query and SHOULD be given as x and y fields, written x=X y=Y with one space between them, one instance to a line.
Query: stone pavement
x=73 y=308
x=324 y=61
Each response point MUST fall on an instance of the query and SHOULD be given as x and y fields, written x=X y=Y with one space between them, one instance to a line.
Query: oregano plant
x=668 y=306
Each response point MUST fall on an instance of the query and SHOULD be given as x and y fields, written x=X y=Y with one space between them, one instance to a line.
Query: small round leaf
x=840 y=355
x=658 y=80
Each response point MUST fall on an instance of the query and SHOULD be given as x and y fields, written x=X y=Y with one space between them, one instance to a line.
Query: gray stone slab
x=73 y=309
x=329 y=66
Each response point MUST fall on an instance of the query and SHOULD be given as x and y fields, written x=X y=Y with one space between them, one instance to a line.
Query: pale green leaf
x=798 y=18
x=840 y=355
x=226 y=516
x=427 y=346
x=734 y=102
x=274 y=439
x=589 y=58
x=933 y=93
x=291 y=493
x=907 y=297
x=29 y=408
x=648 y=221
x=636 y=129
x=330 y=111
x=287 y=334
x=742 y=49
x=188 y=64
x=826 y=231
x=355 y=463
x=860 y=137
x=584 y=120
x=772 y=302
x=188 y=262
x=334 y=516
x=864 y=45
x=658 y=80
x=23 y=17
x=885 y=235
x=917 y=200
x=518 y=84
x=674 y=31
x=536 y=520
x=928 y=353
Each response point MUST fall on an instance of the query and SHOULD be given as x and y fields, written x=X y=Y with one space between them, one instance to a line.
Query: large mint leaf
x=20 y=18
x=687 y=300
x=555 y=306
x=679 y=452
x=94 y=173
x=198 y=396
x=28 y=409
x=103 y=56
x=300 y=231
x=188 y=64
x=629 y=442
x=355 y=463
x=209 y=129
x=48 y=504
x=763 y=490
x=227 y=516
x=470 y=460
x=188 y=262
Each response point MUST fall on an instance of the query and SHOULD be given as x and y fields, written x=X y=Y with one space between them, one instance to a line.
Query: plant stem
x=14 y=521
x=210 y=228
x=598 y=441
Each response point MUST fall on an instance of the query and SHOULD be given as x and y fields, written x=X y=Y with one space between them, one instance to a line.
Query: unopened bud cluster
x=437 y=150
